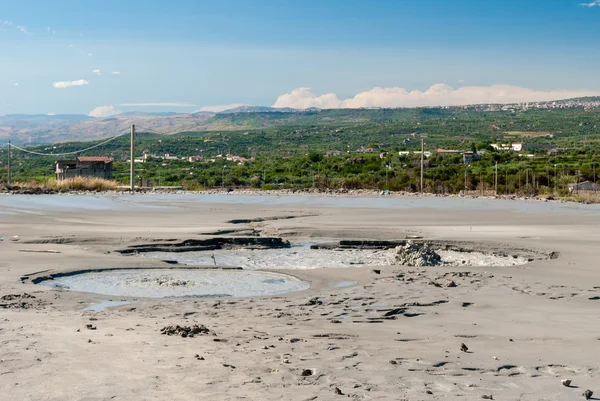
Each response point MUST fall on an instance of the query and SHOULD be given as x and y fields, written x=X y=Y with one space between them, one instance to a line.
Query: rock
x=15 y=238
x=376 y=271
x=566 y=382
x=587 y=394
x=449 y=284
x=314 y=301
x=412 y=254
x=337 y=391
x=307 y=372
x=463 y=347
x=184 y=331
x=487 y=397
x=90 y=327
x=429 y=392
x=17 y=297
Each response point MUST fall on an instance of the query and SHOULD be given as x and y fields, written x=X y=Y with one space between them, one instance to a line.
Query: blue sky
x=187 y=55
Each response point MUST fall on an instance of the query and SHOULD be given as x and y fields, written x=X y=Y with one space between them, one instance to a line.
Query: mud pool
x=166 y=283
x=301 y=256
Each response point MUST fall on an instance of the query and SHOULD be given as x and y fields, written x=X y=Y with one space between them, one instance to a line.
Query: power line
x=69 y=153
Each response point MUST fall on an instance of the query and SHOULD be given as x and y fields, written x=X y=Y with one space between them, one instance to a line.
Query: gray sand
x=395 y=334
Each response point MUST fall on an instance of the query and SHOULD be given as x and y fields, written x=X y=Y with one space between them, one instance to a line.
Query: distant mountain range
x=40 y=128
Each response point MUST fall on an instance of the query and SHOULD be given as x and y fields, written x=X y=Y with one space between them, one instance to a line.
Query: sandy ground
x=394 y=335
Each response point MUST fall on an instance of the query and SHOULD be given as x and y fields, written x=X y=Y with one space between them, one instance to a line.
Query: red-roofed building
x=85 y=166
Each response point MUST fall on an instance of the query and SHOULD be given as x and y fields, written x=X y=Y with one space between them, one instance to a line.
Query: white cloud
x=6 y=22
x=159 y=104
x=97 y=72
x=303 y=98
x=68 y=84
x=593 y=3
x=219 y=108
x=89 y=54
x=103 y=111
x=436 y=95
x=70 y=46
x=16 y=84
x=116 y=72
x=22 y=29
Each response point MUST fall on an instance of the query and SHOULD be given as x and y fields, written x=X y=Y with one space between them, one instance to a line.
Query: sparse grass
x=71 y=184
x=83 y=184
x=582 y=197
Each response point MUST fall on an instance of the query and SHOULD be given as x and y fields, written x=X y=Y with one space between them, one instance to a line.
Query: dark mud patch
x=244 y=232
x=78 y=240
x=273 y=218
x=209 y=244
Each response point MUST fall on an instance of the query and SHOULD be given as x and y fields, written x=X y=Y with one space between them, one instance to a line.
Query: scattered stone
x=412 y=254
x=487 y=397
x=198 y=357
x=228 y=366
x=376 y=271
x=463 y=347
x=90 y=327
x=337 y=391
x=587 y=394
x=17 y=297
x=15 y=238
x=429 y=392
x=307 y=372
x=314 y=301
x=566 y=382
x=184 y=331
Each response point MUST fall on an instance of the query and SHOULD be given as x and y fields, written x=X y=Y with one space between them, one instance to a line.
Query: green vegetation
x=288 y=151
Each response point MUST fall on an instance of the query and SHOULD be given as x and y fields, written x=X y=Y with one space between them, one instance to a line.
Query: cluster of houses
x=193 y=159
x=468 y=156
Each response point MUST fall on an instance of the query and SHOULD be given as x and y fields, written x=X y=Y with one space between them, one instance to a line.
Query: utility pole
x=132 y=161
x=9 y=161
x=555 y=179
x=481 y=181
x=422 y=163
x=466 y=167
x=496 y=179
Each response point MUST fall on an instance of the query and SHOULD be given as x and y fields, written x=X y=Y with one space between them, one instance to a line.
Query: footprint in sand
x=510 y=370
x=556 y=370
